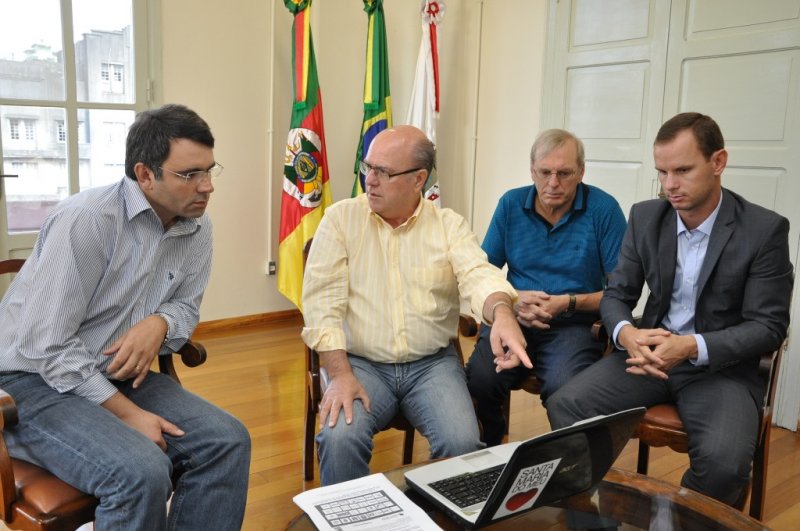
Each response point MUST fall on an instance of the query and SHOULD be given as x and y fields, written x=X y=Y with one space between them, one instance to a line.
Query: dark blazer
x=744 y=287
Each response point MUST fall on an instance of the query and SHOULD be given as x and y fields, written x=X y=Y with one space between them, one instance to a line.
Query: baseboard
x=246 y=321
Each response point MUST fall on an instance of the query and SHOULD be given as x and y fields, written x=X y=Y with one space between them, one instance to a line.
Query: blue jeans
x=430 y=392
x=206 y=470
x=558 y=354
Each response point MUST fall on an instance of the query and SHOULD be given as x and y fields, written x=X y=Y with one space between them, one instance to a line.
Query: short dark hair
x=150 y=135
x=424 y=154
x=704 y=128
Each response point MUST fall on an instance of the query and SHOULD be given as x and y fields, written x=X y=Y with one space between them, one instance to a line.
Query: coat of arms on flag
x=302 y=171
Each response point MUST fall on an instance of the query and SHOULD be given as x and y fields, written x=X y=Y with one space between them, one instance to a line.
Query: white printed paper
x=367 y=503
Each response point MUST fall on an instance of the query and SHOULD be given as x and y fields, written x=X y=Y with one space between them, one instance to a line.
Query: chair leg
x=408 y=446
x=759 y=479
x=308 y=443
x=644 y=457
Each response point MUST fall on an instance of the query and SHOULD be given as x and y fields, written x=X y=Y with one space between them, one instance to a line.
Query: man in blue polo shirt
x=560 y=238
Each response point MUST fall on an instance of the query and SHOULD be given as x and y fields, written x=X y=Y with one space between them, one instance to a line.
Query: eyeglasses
x=560 y=174
x=382 y=173
x=198 y=176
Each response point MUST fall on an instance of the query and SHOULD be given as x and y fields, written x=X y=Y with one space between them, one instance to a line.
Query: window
x=112 y=76
x=30 y=129
x=108 y=70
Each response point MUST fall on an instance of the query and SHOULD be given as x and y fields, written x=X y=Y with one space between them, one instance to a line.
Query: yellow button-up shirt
x=392 y=295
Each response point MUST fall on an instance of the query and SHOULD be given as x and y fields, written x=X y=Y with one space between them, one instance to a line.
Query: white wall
x=216 y=59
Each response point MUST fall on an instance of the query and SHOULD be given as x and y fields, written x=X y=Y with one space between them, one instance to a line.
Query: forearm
x=121 y=406
x=335 y=363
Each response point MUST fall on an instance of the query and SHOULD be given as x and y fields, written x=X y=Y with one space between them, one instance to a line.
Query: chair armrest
x=313 y=377
x=192 y=354
x=599 y=332
x=8 y=489
x=467 y=325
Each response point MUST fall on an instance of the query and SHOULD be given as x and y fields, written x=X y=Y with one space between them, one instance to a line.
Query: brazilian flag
x=377 y=101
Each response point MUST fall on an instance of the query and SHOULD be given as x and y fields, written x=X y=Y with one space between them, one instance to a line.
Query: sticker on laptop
x=529 y=484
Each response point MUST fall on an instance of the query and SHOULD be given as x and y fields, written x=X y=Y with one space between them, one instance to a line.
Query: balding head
x=401 y=158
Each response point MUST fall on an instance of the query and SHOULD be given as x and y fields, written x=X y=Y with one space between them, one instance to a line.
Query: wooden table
x=640 y=502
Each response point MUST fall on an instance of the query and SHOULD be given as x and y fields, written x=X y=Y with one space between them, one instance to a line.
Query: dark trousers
x=558 y=354
x=719 y=414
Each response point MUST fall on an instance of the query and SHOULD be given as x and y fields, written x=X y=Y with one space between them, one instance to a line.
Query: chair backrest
x=12 y=265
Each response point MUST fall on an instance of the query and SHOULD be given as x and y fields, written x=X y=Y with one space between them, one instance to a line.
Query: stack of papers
x=371 y=502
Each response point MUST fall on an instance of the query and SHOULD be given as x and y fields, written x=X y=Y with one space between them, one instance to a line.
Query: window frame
x=146 y=94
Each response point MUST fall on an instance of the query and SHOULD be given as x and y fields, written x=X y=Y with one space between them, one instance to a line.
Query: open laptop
x=521 y=476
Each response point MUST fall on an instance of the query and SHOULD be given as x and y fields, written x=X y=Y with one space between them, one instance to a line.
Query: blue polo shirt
x=574 y=256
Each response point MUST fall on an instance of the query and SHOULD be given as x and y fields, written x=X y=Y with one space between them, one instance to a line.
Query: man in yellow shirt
x=381 y=302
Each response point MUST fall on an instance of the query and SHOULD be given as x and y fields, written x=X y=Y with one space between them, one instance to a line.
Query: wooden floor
x=258 y=375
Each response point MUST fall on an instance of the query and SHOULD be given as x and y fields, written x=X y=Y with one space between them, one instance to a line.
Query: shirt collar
x=707 y=224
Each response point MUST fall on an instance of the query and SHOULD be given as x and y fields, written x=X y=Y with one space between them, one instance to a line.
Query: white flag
x=423 y=109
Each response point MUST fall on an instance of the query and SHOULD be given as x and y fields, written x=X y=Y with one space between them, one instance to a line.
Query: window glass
x=39 y=160
x=31 y=58
x=103 y=50
x=103 y=153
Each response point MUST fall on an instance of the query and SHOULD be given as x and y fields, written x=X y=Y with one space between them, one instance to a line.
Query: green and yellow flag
x=306 y=191
x=377 y=101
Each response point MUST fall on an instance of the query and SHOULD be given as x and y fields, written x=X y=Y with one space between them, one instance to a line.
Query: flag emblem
x=302 y=170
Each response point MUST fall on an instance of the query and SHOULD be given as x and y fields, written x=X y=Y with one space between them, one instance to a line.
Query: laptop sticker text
x=527 y=487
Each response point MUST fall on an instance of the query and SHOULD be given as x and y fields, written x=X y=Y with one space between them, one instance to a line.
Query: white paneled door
x=617 y=69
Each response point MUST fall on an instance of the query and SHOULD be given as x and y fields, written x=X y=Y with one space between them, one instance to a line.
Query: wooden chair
x=317 y=382
x=31 y=498
x=662 y=426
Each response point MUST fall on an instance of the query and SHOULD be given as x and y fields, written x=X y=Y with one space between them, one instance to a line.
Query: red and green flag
x=306 y=191
x=377 y=101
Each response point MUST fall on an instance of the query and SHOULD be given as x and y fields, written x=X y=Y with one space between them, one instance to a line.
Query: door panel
x=606 y=80
x=616 y=70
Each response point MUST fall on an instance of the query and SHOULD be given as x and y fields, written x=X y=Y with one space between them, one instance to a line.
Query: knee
x=483 y=381
x=143 y=476
x=457 y=439
x=562 y=409
x=344 y=438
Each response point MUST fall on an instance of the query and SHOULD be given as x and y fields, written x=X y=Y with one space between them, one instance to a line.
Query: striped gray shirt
x=101 y=264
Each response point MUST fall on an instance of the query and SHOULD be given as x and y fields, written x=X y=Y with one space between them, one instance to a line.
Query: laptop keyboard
x=469 y=488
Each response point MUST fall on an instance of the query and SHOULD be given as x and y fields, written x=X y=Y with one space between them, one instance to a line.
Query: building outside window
x=107 y=64
x=61 y=131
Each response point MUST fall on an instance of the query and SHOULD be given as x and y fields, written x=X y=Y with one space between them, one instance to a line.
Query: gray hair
x=550 y=139
x=423 y=153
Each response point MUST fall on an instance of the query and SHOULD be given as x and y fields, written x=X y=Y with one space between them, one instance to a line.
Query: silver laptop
x=485 y=486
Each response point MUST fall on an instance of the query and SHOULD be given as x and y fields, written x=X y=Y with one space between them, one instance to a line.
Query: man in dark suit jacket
x=720 y=282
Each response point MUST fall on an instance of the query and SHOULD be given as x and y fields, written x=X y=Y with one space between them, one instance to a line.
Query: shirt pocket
x=433 y=290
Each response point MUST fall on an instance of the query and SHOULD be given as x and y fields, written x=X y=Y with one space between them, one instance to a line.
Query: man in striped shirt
x=115 y=278
x=560 y=239
x=381 y=303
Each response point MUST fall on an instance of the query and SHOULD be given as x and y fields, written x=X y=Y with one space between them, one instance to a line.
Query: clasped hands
x=655 y=351
x=535 y=309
